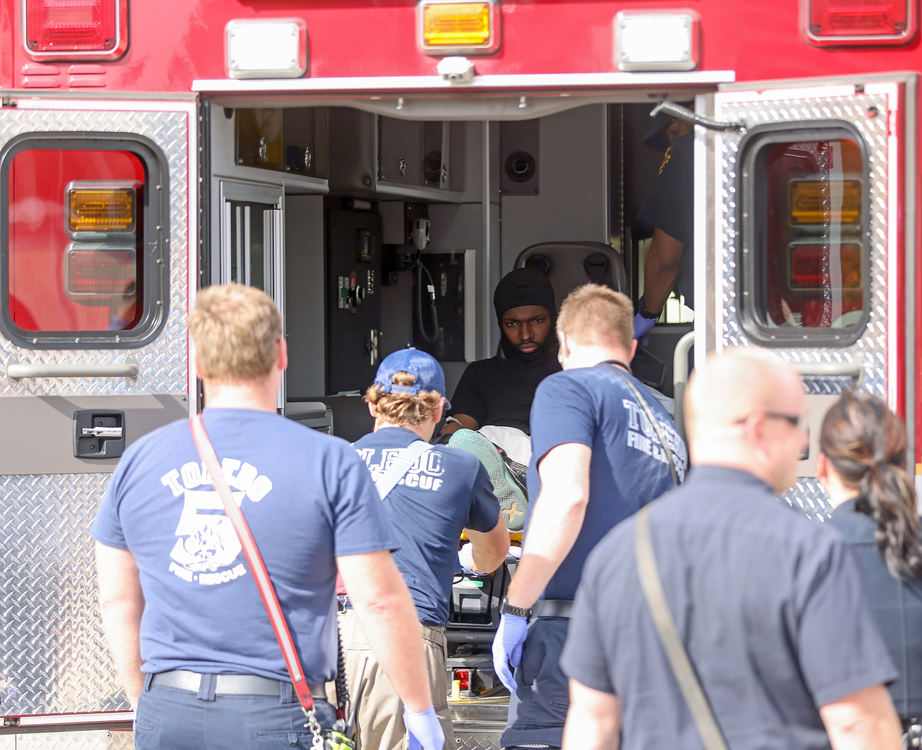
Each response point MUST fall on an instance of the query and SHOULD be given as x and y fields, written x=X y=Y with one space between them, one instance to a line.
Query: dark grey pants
x=538 y=709
x=168 y=718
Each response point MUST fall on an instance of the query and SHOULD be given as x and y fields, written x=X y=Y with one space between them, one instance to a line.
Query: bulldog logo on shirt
x=206 y=539
x=207 y=548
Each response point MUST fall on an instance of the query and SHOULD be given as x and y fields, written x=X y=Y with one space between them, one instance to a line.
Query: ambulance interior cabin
x=344 y=215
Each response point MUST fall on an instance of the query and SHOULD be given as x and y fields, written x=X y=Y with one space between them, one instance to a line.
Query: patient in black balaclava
x=499 y=391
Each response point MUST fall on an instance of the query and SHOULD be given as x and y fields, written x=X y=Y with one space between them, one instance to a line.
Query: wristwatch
x=642 y=310
x=506 y=608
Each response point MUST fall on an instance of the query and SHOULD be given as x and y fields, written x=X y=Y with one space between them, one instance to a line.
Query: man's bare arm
x=121 y=604
x=556 y=520
x=865 y=720
x=489 y=548
x=661 y=269
x=593 y=721
x=388 y=617
x=466 y=420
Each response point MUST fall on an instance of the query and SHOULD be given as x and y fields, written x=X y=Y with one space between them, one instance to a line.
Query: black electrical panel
x=353 y=299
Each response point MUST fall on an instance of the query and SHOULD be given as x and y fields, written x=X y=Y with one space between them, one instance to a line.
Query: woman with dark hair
x=861 y=465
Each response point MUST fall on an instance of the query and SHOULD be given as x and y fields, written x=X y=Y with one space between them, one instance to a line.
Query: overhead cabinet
x=389 y=156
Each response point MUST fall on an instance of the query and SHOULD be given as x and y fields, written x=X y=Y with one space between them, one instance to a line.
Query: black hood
x=519 y=287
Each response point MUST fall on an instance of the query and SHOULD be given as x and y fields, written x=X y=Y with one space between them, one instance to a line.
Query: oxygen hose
x=433 y=313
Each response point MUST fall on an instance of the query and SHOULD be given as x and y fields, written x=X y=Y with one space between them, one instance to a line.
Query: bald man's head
x=746 y=407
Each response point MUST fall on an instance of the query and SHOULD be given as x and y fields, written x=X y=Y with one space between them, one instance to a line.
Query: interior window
x=73 y=230
x=805 y=262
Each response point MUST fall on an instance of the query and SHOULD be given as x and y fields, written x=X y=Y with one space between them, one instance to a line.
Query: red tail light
x=820 y=267
x=845 y=22
x=75 y=29
x=100 y=273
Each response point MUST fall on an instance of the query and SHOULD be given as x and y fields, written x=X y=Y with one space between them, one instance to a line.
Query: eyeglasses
x=796 y=421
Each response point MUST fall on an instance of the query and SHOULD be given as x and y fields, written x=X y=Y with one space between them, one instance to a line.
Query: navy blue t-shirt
x=669 y=206
x=307 y=499
x=445 y=491
x=770 y=606
x=594 y=406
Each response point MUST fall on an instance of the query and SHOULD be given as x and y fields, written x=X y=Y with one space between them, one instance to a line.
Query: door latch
x=99 y=433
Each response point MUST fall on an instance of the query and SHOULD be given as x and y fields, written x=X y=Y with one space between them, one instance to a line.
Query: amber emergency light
x=450 y=27
x=101 y=208
x=825 y=202
x=75 y=29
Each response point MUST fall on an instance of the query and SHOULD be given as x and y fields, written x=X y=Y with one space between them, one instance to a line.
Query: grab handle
x=16 y=370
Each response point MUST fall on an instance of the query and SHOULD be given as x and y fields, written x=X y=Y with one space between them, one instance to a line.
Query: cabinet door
x=435 y=154
x=305 y=141
x=400 y=151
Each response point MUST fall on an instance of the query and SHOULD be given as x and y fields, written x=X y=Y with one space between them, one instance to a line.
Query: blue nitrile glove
x=642 y=328
x=425 y=729
x=507 y=648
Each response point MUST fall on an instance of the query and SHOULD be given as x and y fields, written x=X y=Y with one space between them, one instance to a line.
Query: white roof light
x=661 y=40
x=270 y=48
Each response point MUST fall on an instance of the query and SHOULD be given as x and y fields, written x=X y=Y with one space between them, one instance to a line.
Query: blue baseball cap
x=424 y=367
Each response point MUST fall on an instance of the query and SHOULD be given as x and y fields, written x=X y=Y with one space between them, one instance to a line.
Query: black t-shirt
x=770 y=605
x=669 y=206
x=499 y=391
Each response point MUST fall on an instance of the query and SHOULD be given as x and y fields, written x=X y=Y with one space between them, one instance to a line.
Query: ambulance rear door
x=97 y=258
x=805 y=249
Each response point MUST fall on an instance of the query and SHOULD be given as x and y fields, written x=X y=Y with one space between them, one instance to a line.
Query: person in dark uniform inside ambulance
x=499 y=390
x=668 y=214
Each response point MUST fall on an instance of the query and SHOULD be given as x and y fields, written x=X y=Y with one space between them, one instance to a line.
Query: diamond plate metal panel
x=871 y=348
x=52 y=652
x=163 y=363
x=95 y=740
x=477 y=741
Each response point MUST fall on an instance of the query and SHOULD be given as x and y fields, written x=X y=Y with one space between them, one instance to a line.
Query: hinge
x=8 y=101
x=11 y=721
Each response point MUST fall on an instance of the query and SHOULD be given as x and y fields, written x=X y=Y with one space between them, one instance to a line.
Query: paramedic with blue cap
x=668 y=212
x=431 y=494
x=190 y=637
x=596 y=461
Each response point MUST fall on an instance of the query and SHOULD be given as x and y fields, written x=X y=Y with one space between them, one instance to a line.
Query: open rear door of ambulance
x=97 y=249
x=808 y=239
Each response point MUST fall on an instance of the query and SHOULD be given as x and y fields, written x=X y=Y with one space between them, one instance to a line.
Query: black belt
x=228 y=684
x=552 y=608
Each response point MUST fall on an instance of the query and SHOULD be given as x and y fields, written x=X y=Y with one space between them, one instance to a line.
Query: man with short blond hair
x=431 y=493
x=187 y=629
x=769 y=605
x=236 y=331
x=596 y=460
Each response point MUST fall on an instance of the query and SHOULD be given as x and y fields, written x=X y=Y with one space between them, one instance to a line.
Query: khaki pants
x=378 y=709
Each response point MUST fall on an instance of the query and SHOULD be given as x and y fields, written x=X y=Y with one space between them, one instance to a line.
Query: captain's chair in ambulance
x=567 y=265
